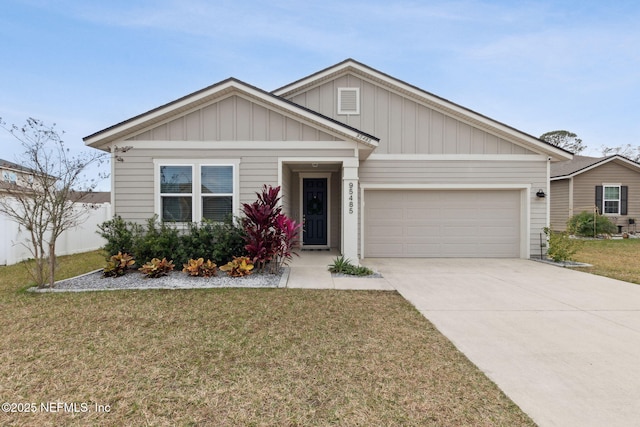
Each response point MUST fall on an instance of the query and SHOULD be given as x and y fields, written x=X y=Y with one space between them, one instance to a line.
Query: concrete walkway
x=310 y=271
x=563 y=345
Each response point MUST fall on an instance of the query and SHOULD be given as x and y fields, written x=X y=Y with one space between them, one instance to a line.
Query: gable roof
x=427 y=98
x=581 y=164
x=210 y=94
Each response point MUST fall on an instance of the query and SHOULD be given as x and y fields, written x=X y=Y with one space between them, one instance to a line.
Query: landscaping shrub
x=238 y=267
x=228 y=243
x=561 y=246
x=271 y=237
x=159 y=240
x=119 y=234
x=219 y=242
x=157 y=267
x=200 y=268
x=582 y=224
x=118 y=265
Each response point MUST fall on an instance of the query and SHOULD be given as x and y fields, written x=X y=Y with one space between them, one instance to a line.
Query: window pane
x=176 y=209
x=611 y=207
x=217 y=208
x=175 y=179
x=217 y=179
x=612 y=193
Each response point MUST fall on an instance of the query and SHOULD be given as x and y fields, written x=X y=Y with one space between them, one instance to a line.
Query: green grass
x=256 y=357
x=618 y=259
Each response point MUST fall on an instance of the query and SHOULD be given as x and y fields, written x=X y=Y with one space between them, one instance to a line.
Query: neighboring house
x=373 y=166
x=13 y=175
x=609 y=184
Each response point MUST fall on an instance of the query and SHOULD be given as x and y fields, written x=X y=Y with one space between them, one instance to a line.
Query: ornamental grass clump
x=342 y=265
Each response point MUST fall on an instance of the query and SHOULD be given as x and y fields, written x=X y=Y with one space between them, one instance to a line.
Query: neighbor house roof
x=434 y=101
x=209 y=94
x=5 y=164
x=581 y=164
x=92 y=197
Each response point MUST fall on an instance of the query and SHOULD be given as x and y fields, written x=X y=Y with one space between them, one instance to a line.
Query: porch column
x=350 y=209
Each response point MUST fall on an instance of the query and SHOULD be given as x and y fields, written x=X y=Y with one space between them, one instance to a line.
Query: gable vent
x=348 y=100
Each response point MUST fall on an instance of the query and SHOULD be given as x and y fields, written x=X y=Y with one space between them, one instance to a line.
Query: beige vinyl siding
x=133 y=182
x=404 y=125
x=559 y=204
x=233 y=119
x=473 y=173
x=609 y=173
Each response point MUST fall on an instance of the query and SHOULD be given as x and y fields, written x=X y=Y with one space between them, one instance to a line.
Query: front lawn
x=257 y=357
x=618 y=259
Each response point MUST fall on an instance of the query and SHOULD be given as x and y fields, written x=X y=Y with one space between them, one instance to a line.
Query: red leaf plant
x=271 y=236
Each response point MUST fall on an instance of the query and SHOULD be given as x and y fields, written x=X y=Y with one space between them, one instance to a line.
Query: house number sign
x=351 y=198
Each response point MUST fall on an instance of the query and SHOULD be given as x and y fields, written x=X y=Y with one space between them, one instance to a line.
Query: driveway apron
x=562 y=344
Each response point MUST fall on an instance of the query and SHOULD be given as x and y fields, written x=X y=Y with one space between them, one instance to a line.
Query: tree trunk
x=52 y=263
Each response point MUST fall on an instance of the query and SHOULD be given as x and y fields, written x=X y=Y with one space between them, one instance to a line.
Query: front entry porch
x=322 y=194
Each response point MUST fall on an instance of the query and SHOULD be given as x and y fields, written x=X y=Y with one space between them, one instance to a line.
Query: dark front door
x=314 y=209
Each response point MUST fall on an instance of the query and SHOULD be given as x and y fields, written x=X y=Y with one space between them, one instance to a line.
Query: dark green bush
x=582 y=224
x=159 y=240
x=219 y=242
x=228 y=243
x=120 y=236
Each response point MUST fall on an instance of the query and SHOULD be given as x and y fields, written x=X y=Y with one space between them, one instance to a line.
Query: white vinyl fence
x=82 y=238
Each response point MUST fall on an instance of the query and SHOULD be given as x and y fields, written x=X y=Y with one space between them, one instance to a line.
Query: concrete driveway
x=562 y=344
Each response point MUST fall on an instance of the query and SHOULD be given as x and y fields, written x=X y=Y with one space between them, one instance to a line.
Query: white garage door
x=446 y=224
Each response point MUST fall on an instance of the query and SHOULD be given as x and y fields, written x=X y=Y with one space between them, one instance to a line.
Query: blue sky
x=537 y=66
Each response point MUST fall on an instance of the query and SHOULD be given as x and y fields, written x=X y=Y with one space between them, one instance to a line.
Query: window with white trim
x=176 y=193
x=217 y=192
x=193 y=191
x=611 y=199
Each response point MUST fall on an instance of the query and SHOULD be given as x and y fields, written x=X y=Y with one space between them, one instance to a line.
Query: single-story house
x=609 y=184
x=373 y=166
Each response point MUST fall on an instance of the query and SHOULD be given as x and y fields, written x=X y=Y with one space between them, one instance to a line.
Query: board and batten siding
x=404 y=125
x=609 y=173
x=233 y=119
x=133 y=180
x=472 y=173
x=559 y=204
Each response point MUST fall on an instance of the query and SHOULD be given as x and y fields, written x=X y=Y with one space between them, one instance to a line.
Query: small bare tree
x=43 y=200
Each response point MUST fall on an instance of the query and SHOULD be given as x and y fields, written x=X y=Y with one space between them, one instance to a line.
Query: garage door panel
x=434 y=223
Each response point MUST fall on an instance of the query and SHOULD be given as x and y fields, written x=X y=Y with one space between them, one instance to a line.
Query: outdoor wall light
x=540 y=193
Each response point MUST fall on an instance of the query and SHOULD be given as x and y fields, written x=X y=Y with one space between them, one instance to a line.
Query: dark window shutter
x=599 y=198
x=624 y=192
